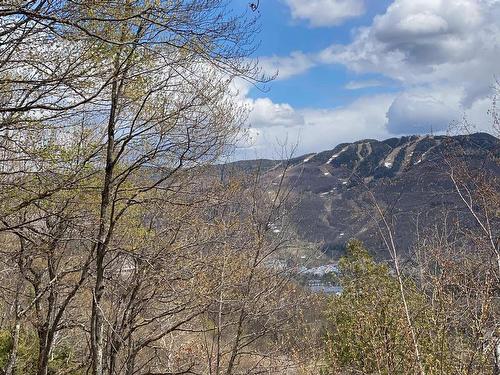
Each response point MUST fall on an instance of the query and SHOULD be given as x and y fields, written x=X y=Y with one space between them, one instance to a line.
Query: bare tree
x=143 y=86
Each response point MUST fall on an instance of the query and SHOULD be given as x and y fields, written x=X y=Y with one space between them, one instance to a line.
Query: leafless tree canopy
x=125 y=249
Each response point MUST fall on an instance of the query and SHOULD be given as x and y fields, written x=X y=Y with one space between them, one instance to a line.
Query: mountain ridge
x=407 y=176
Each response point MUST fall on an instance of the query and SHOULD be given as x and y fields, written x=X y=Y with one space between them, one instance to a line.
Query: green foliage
x=5 y=346
x=27 y=353
x=62 y=359
x=368 y=332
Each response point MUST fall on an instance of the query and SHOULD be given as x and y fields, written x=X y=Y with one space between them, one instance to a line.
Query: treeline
x=124 y=251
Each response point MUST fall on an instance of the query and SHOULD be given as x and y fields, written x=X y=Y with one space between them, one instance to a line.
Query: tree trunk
x=130 y=363
x=46 y=339
x=97 y=327
x=113 y=352
x=46 y=330
x=43 y=355
x=11 y=366
x=496 y=370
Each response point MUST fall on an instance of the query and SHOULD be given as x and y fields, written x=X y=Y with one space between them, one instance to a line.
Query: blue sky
x=356 y=69
x=321 y=86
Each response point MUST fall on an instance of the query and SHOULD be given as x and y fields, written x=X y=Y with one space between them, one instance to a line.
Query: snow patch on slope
x=308 y=158
x=337 y=155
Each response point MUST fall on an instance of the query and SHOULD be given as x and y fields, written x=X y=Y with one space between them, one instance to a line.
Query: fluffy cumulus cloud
x=417 y=113
x=376 y=116
x=437 y=47
x=363 y=118
x=415 y=37
x=265 y=113
x=311 y=129
x=429 y=32
x=325 y=12
x=421 y=41
x=284 y=67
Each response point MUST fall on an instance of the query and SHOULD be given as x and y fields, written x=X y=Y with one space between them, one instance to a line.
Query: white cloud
x=239 y=88
x=265 y=113
x=286 y=66
x=419 y=113
x=325 y=12
x=416 y=111
x=434 y=48
x=317 y=129
x=421 y=41
x=356 y=85
x=363 y=118
x=422 y=24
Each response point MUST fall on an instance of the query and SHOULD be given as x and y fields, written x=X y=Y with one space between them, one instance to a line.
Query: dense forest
x=124 y=250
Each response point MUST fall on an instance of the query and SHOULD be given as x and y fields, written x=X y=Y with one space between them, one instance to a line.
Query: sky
x=368 y=69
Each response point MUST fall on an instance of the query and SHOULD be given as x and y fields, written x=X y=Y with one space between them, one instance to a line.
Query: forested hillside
x=334 y=191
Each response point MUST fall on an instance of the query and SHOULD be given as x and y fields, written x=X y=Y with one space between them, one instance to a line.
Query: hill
x=334 y=190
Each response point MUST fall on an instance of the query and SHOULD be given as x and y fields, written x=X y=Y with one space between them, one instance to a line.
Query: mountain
x=335 y=190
